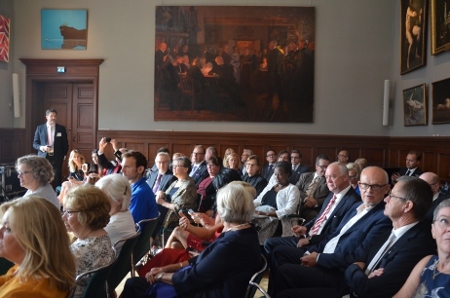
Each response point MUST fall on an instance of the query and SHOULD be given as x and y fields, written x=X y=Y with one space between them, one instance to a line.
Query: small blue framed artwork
x=64 y=29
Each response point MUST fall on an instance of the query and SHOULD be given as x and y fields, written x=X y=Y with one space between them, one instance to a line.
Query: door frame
x=45 y=70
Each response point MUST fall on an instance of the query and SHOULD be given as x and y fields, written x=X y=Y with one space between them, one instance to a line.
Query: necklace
x=237 y=227
x=438 y=272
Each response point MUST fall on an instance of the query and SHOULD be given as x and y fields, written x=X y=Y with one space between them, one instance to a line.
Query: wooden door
x=75 y=105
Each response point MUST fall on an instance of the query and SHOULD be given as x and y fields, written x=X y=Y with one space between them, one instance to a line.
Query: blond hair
x=72 y=165
x=93 y=206
x=37 y=225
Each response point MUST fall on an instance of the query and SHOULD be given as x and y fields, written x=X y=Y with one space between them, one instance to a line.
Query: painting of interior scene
x=234 y=63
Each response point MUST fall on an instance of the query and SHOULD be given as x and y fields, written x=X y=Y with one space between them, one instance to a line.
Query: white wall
x=6 y=70
x=354 y=55
x=437 y=68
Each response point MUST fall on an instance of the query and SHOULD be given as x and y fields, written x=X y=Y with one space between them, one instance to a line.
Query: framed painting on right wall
x=415 y=106
x=440 y=26
x=441 y=101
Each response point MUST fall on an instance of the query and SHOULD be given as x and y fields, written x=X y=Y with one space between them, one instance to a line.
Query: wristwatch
x=159 y=276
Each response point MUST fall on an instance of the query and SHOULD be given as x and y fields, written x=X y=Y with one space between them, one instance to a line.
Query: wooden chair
x=187 y=91
x=253 y=284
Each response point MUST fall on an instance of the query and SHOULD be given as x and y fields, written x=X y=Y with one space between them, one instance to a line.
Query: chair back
x=142 y=247
x=187 y=85
x=123 y=263
x=253 y=284
x=97 y=285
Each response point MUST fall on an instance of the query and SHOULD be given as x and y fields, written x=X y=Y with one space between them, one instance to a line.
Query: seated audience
x=33 y=237
x=206 y=188
x=268 y=168
x=343 y=157
x=353 y=176
x=212 y=274
x=252 y=176
x=142 y=202
x=431 y=276
x=181 y=194
x=86 y=216
x=361 y=162
x=276 y=200
x=433 y=180
x=233 y=162
x=35 y=173
x=297 y=167
x=198 y=172
x=313 y=189
x=121 y=224
x=320 y=265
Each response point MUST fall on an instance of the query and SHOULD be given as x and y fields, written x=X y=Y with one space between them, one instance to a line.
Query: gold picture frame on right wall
x=440 y=26
x=441 y=101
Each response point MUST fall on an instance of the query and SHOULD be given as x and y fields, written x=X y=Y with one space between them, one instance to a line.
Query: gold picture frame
x=440 y=26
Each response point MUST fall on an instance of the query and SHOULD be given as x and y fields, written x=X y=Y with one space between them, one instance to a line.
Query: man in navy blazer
x=162 y=162
x=297 y=167
x=412 y=166
x=321 y=264
x=346 y=202
x=199 y=170
x=387 y=264
x=54 y=149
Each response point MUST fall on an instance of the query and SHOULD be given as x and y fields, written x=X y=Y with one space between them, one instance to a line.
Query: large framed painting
x=234 y=63
x=440 y=26
x=4 y=38
x=415 y=105
x=413 y=35
x=441 y=102
x=64 y=29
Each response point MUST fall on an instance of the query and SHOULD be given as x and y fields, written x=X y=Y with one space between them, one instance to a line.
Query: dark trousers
x=310 y=293
x=135 y=288
x=57 y=166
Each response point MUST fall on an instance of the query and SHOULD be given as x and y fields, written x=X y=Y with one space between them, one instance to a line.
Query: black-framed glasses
x=374 y=187
x=392 y=196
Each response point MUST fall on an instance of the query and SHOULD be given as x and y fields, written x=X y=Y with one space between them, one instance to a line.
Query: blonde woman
x=227 y=152
x=233 y=161
x=32 y=236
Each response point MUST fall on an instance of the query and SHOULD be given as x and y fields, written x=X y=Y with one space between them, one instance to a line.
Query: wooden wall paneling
x=374 y=156
x=429 y=161
x=443 y=166
x=153 y=149
x=186 y=149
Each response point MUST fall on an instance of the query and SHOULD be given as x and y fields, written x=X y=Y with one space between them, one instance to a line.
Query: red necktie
x=322 y=218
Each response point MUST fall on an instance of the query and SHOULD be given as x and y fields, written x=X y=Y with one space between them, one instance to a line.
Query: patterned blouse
x=91 y=253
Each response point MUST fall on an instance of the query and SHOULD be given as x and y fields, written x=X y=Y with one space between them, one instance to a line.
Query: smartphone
x=191 y=212
x=107 y=140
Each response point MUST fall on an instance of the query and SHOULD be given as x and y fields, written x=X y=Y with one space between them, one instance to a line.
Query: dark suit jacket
x=355 y=242
x=166 y=179
x=200 y=174
x=296 y=174
x=266 y=173
x=61 y=145
x=398 y=263
x=347 y=204
x=416 y=173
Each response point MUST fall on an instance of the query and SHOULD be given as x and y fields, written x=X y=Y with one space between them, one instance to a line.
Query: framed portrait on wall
x=4 y=38
x=64 y=29
x=413 y=35
x=415 y=106
x=441 y=101
x=234 y=63
x=440 y=26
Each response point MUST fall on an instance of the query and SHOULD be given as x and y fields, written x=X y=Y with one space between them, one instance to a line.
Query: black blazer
x=416 y=173
x=296 y=174
x=61 y=145
x=200 y=174
x=266 y=173
x=346 y=204
x=166 y=179
x=398 y=263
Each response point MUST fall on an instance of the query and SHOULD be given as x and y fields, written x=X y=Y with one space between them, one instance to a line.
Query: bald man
x=433 y=180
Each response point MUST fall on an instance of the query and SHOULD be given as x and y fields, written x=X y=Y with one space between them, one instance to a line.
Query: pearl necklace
x=237 y=227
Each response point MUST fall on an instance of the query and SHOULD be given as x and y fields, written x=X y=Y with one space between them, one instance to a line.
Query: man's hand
x=376 y=273
x=310 y=202
x=309 y=260
x=361 y=265
x=114 y=145
x=302 y=242
x=298 y=230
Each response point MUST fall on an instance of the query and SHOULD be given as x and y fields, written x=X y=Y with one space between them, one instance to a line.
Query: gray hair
x=443 y=204
x=117 y=188
x=40 y=167
x=235 y=204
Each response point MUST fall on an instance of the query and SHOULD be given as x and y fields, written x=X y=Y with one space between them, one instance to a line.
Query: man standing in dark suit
x=297 y=167
x=412 y=166
x=163 y=177
x=388 y=262
x=321 y=265
x=50 y=141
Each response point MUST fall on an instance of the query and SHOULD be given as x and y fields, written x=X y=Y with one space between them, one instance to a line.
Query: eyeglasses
x=70 y=212
x=351 y=176
x=21 y=173
x=322 y=167
x=375 y=187
x=392 y=196
x=270 y=155
x=198 y=153
x=443 y=222
x=178 y=166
